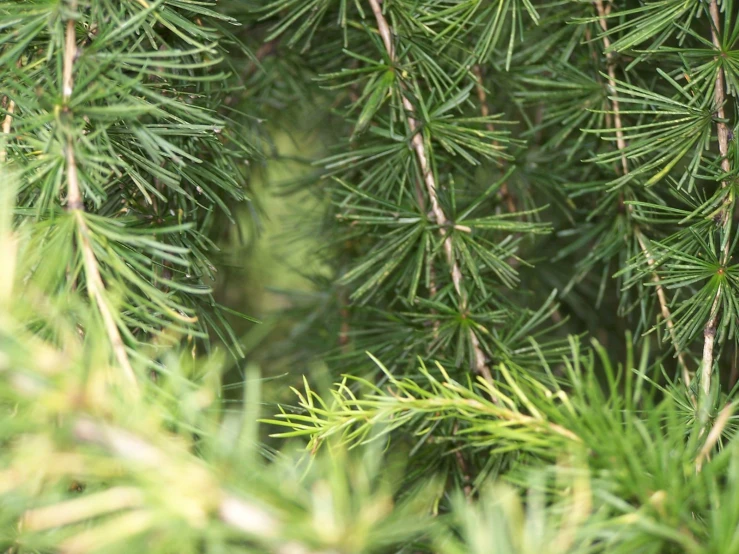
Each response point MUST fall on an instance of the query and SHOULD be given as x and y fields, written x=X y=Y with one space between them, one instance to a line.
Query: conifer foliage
x=111 y=125
x=529 y=216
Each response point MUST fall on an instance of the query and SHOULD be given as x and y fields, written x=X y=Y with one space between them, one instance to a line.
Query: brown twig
x=603 y=12
x=75 y=205
x=662 y=298
x=719 y=96
x=429 y=180
x=720 y=93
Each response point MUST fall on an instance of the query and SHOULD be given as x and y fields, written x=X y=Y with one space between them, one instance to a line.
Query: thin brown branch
x=662 y=298
x=75 y=205
x=417 y=143
x=719 y=93
x=603 y=12
x=709 y=340
x=719 y=97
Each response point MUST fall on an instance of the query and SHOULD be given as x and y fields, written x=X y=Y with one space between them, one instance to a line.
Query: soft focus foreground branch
x=603 y=12
x=232 y=510
x=431 y=187
x=75 y=205
x=7 y=121
x=127 y=506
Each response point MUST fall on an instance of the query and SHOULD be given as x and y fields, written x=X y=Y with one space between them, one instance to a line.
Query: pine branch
x=75 y=205
x=431 y=187
x=409 y=402
x=719 y=92
x=603 y=13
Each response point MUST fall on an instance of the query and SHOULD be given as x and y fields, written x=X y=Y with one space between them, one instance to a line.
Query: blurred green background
x=268 y=258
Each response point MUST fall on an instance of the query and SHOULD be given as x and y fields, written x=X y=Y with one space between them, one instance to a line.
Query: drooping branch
x=603 y=12
x=419 y=147
x=75 y=205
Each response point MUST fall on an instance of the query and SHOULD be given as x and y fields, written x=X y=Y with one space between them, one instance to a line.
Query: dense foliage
x=526 y=292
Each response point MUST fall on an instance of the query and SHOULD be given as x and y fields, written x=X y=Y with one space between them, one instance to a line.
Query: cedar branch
x=429 y=179
x=719 y=96
x=603 y=12
x=75 y=205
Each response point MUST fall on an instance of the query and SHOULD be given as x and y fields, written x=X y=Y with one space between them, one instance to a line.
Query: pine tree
x=529 y=217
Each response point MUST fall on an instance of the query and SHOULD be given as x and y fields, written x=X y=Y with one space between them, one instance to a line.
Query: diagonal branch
x=603 y=11
x=429 y=180
x=663 y=305
x=75 y=205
